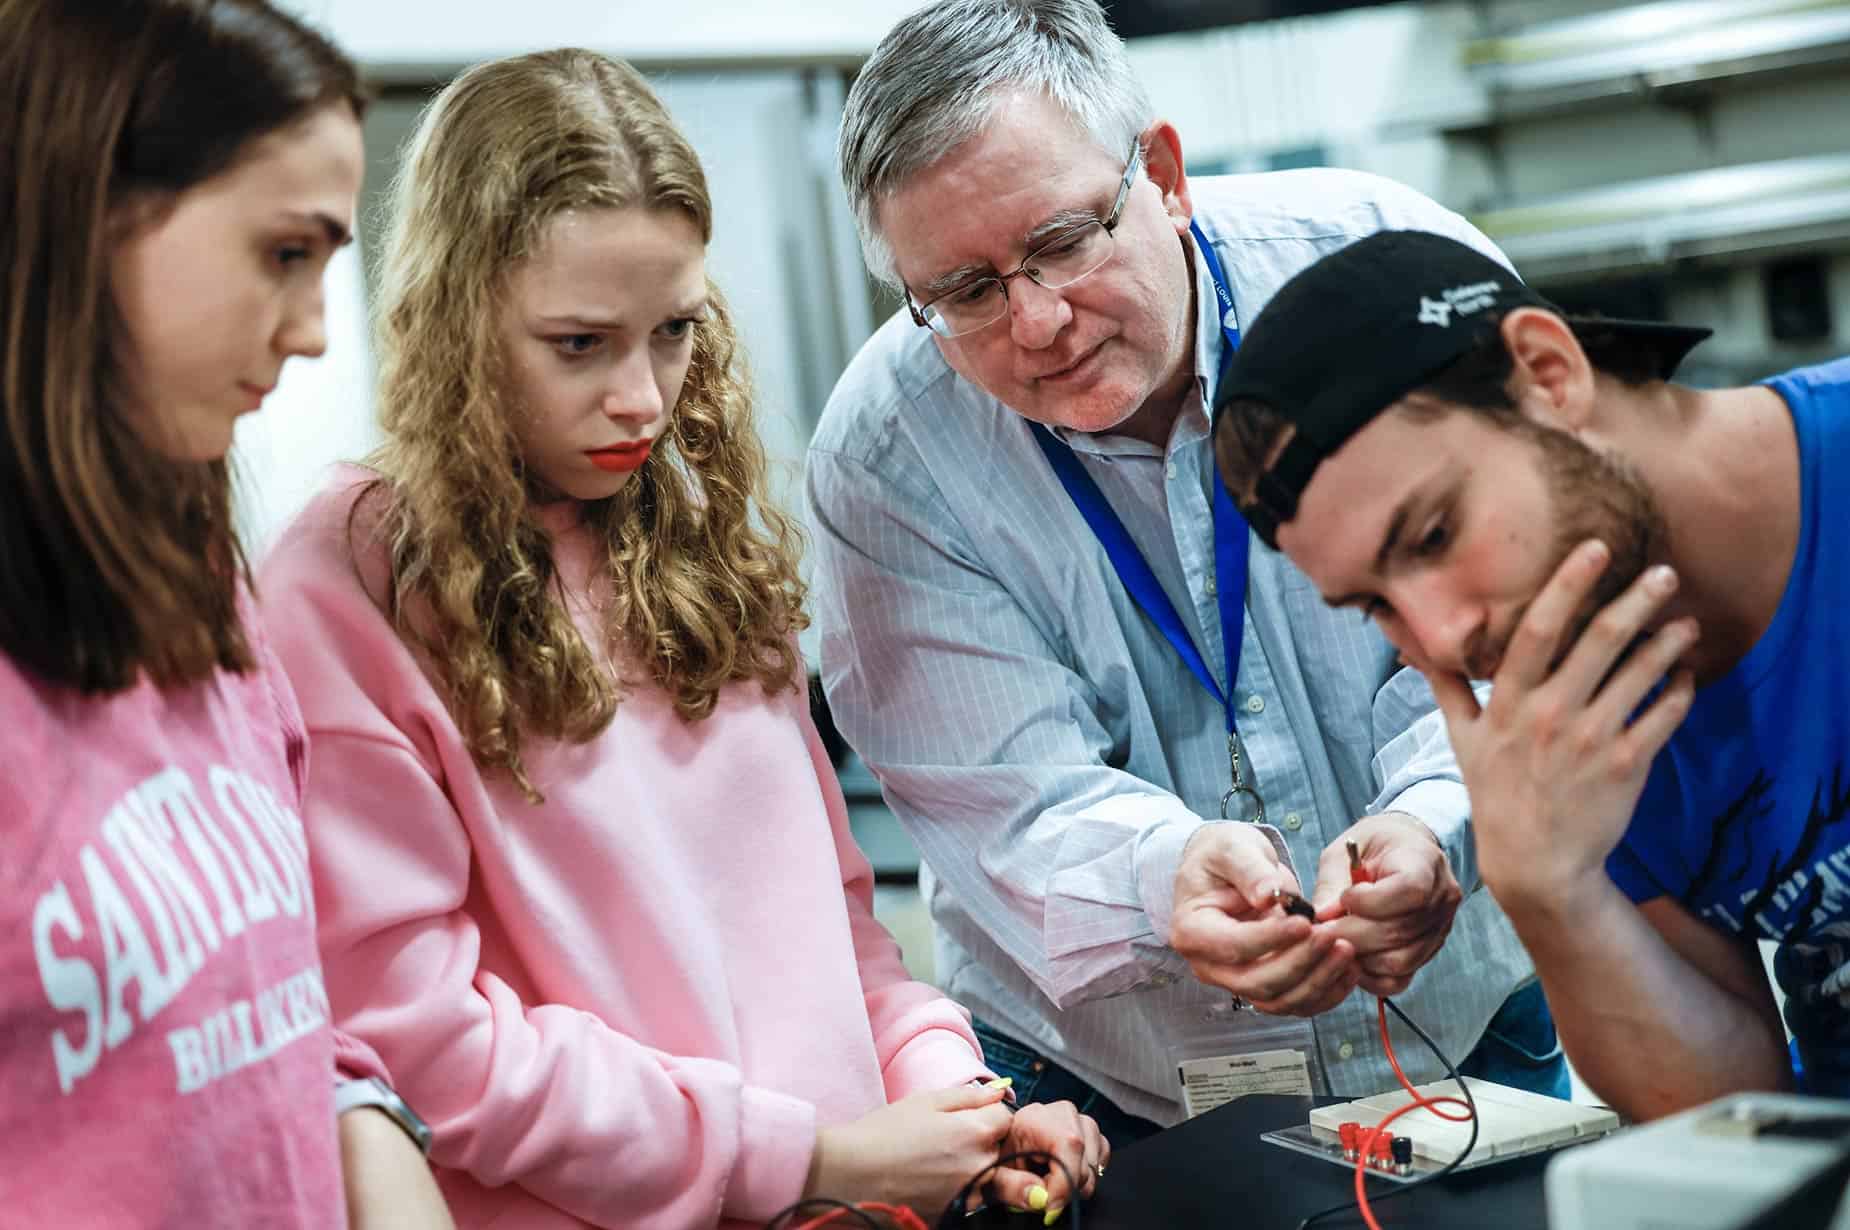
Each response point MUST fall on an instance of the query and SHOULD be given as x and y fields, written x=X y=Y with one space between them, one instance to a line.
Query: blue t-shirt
x=1745 y=818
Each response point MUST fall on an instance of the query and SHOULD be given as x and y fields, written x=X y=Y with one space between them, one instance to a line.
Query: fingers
x=1613 y=630
x=1403 y=890
x=1209 y=936
x=1016 y=1188
x=1417 y=893
x=1644 y=670
x=1332 y=882
x=1648 y=733
x=1232 y=856
x=1538 y=637
x=1335 y=909
x=1384 y=987
x=1319 y=989
x=1371 y=937
x=1271 y=973
x=1391 y=972
x=1072 y=1139
x=1405 y=875
x=1389 y=951
x=1457 y=701
x=1098 y=1152
x=966 y=1097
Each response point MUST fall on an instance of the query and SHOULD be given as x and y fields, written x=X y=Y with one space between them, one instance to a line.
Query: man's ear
x=1551 y=378
x=1162 y=162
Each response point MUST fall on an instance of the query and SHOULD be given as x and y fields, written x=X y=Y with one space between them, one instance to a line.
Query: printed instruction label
x=1219 y=1079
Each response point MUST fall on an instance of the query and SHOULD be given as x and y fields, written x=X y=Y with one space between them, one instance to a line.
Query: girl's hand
x=1055 y=1128
x=918 y=1151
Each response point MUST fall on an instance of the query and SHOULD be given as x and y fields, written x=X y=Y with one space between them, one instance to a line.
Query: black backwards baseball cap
x=1366 y=325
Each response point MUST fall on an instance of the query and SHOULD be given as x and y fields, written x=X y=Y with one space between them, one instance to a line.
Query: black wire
x=954 y=1212
x=1451 y=1070
x=814 y=1207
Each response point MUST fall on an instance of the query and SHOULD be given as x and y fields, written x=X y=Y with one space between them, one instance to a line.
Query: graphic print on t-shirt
x=1786 y=894
x=174 y=872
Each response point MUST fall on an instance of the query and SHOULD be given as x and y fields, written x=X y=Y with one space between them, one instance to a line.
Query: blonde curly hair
x=702 y=573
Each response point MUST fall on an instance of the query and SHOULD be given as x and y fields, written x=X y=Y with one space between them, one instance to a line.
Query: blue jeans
x=1518 y=1048
x=1039 y=1079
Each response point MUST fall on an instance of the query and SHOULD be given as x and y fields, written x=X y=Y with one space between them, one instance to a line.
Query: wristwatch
x=371 y=1091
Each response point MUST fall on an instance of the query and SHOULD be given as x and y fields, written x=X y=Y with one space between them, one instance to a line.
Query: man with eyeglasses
x=1029 y=595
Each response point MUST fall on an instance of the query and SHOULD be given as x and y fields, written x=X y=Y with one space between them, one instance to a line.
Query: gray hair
x=937 y=77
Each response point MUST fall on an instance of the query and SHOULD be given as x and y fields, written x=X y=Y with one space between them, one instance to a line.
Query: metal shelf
x=1754 y=208
x=1672 y=48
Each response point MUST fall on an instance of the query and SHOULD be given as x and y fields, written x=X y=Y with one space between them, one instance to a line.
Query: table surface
x=1214 y=1170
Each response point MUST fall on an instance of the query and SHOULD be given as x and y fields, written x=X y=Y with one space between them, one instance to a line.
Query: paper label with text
x=1219 y=1079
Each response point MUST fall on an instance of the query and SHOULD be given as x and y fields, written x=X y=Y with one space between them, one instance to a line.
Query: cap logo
x=1466 y=300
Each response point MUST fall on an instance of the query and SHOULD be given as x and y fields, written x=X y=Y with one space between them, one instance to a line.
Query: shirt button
x=1162 y=980
x=1293 y=821
x=1346 y=1051
x=1255 y=703
x=1170 y=469
x=1212 y=587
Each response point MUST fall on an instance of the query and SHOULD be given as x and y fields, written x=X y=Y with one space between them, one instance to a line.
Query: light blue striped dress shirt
x=1047 y=749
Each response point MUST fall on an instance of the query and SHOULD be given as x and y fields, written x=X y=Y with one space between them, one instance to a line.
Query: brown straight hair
x=114 y=560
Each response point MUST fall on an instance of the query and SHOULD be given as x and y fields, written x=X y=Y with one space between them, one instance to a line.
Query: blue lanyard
x=1230 y=546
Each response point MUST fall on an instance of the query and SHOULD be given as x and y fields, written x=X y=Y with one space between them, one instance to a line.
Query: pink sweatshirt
x=165 y=1056
x=628 y=1006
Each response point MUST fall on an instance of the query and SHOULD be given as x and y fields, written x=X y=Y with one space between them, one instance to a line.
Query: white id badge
x=1219 y=1079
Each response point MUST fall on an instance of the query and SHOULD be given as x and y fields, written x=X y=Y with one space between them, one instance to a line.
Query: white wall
x=770 y=253
x=449 y=33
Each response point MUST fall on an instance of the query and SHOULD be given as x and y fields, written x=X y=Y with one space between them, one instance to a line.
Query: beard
x=1593 y=496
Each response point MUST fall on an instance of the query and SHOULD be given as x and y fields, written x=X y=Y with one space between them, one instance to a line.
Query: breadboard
x=1512 y=1123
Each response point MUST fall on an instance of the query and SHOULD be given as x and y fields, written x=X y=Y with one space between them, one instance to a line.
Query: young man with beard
x=1649 y=576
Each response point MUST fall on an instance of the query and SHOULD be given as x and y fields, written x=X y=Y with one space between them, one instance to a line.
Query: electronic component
x=1730 y=1163
x=1294 y=904
x=1511 y=1123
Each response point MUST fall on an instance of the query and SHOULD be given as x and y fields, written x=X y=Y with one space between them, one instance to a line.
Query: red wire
x=1366 y=1145
x=1387 y=1045
x=901 y=1217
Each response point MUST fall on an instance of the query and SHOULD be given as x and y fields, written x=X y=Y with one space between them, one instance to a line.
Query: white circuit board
x=1511 y=1123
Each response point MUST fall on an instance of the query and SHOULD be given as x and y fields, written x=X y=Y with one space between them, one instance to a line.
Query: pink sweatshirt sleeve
x=354 y=1060
x=923 y=1038
x=542 y=1095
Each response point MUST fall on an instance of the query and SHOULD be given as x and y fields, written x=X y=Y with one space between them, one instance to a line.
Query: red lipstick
x=620 y=458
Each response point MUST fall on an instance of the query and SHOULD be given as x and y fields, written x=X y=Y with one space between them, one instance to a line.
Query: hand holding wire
x=1387 y=888
x=1230 y=924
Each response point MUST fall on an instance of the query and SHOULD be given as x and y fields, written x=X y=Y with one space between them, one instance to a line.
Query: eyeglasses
x=1058 y=263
